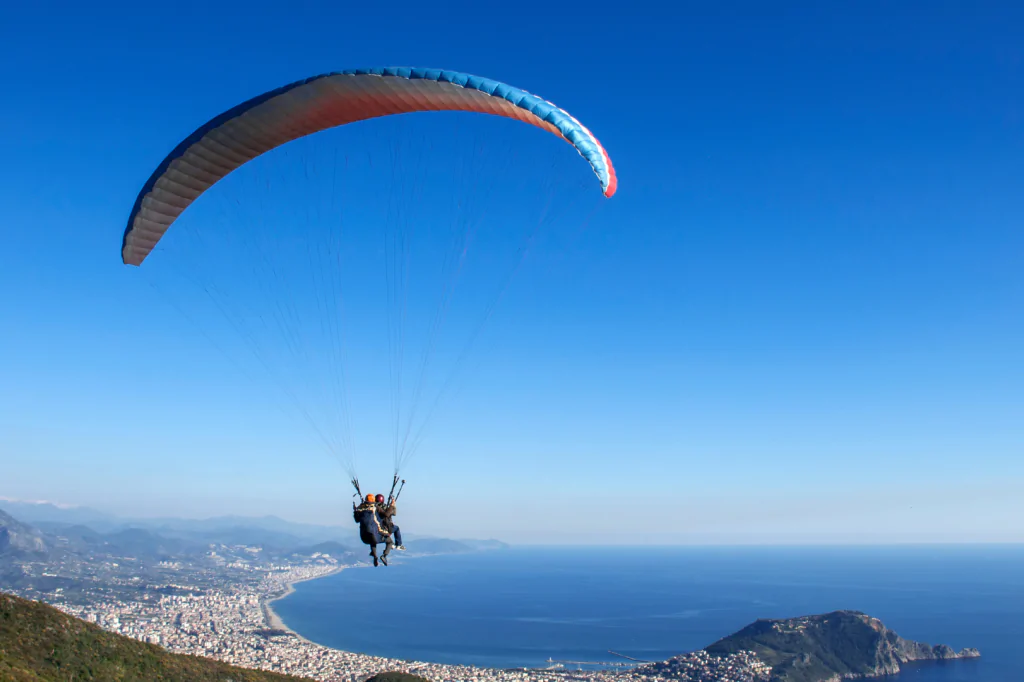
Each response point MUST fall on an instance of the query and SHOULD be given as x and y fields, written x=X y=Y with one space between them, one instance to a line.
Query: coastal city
x=236 y=624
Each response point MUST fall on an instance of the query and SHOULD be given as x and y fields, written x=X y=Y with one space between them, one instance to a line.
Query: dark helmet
x=380 y=499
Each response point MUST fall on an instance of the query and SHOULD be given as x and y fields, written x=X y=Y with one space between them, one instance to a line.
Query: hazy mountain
x=142 y=543
x=49 y=516
x=334 y=550
x=18 y=538
x=484 y=545
x=219 y=525
x=75 y=531
x=270 y=540
x=184 y=538
x=74 y=538
x=437 y=546
x=38 y=513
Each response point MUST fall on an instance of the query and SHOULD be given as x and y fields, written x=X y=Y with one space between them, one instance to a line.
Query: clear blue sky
x=800 y=319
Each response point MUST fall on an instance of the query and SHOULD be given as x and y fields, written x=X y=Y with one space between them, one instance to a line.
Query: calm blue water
x=520 y=607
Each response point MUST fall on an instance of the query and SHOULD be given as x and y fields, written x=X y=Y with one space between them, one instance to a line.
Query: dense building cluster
x=235 y=623
x=700 y=666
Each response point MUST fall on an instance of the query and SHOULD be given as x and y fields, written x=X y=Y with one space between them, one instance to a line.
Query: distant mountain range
x=19 y=540
x=46 y=512
x=82 y=530
x=47 y=515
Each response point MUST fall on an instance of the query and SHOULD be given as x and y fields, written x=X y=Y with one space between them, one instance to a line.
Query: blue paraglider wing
x=314 y=104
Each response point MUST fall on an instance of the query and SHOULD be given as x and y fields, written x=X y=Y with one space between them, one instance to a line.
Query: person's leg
x=388 y=546
x=398 y=538
x=373 y=552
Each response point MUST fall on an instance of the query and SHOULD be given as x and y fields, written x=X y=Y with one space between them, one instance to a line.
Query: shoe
x=400 y=548
x=384 y=560
x=375 y=562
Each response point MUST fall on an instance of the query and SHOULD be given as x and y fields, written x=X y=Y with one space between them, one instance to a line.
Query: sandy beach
x=273 y=620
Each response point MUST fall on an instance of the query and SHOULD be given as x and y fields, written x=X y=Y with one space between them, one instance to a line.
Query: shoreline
x=235 y=621
x=271 y=617
x=274 y=621
x=558 y=673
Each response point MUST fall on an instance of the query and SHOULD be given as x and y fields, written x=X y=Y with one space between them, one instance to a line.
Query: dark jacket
x=370 y=529
x=386 y=514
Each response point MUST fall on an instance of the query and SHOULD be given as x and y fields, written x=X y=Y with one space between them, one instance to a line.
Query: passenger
x=387 y=516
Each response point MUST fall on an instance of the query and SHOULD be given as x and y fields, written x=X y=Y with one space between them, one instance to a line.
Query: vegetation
x=841 y=644
x=39 y=643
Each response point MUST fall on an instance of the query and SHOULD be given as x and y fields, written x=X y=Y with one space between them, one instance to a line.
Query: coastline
x=232 y=626
x=271 y=617
x=227 y=620
x=274 y=621
x=696 y=661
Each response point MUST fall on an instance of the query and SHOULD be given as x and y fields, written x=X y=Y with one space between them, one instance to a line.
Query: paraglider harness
x=392 y=496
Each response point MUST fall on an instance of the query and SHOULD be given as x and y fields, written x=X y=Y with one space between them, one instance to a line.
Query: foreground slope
x=837 y=645
x=39 y=643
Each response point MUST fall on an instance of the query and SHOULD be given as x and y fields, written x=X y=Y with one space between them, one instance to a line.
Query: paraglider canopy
x=308 y=106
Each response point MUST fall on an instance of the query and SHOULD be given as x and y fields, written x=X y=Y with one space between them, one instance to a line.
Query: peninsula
x=832 y=646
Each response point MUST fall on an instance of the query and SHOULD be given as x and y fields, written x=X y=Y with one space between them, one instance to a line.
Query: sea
x=527 y=606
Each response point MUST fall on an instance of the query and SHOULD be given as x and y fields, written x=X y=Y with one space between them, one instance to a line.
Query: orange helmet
x=370 y=498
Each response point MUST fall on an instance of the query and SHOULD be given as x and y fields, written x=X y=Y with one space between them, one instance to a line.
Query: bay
x=522 y=606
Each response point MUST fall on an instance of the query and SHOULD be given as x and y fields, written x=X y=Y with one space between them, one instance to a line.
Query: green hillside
x=39 y=643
